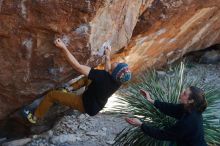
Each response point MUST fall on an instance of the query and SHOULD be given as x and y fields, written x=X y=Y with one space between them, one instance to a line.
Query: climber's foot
x=29 y=116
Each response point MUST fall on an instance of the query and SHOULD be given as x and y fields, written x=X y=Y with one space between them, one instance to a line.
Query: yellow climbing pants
x=68 y=99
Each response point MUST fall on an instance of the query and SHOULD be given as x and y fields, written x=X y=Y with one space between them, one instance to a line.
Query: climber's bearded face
x=114 y=65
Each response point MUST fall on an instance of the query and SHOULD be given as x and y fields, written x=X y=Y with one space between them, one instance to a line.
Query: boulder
x=31 y=64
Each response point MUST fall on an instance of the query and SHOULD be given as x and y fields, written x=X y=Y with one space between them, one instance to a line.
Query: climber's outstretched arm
x=83 y=69
x=107 y=59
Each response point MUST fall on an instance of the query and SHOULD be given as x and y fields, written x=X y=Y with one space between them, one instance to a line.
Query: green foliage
x=166 y=88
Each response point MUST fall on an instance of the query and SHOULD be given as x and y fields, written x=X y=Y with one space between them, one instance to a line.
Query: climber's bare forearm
x=83 y=69
x=71 y=59
x=107 y=59
x=107 y=63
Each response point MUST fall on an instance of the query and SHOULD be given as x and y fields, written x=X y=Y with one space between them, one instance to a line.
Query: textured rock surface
x=149 y=32
x=170 y=28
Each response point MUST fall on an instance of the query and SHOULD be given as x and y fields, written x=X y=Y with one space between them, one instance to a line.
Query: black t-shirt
x=102 y=87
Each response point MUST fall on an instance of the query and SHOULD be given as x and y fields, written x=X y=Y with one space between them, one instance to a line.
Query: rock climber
x=188 y=130
x=100 y=85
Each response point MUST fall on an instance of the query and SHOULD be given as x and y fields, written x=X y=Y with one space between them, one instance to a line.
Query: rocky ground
x=209 y=73
x=81 y=130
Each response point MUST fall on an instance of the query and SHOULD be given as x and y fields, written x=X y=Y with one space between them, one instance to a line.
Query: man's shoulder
x=99 y=71
x=98 y=74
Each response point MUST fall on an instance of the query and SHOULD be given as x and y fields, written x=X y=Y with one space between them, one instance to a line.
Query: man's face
x=184 y=97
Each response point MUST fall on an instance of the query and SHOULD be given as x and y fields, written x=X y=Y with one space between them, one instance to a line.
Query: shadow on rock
x=16 y=127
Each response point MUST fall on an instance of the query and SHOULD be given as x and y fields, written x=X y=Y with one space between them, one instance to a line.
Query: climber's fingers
x=109 y=48
x=59 y=43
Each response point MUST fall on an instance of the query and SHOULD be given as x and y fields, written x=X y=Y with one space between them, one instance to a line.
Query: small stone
x=78 y=139
x=101 y=133
x=35 y=136
x=161 y=73
x=92 y=133
x=104 y=128
x=83 y=127
x=50 y=133
x=111 y=142
x=82 y=117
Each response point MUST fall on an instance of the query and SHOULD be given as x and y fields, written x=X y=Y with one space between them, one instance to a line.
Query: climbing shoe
x=27 y=114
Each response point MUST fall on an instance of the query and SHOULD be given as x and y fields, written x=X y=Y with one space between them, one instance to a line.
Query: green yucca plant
x=167 y=88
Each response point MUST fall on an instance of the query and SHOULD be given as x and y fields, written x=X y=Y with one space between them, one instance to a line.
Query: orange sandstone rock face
x=170 y=28
x=142 y=32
